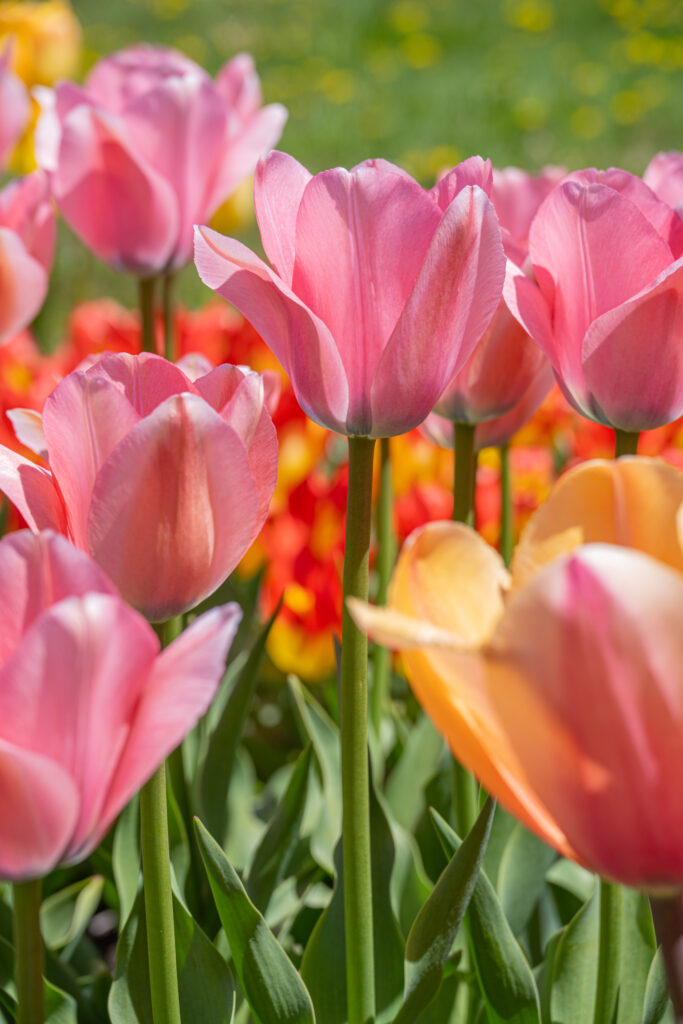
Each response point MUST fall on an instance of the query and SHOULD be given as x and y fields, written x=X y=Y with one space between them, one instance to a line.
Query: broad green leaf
x=410 y=886
x=505 y=979
x=657 y=1007
x=65 y=915
x=405 y=786
x=204 y=979
x=501 y=830
x=431 y=937
x=638 y=948
x=570 y=876
x=269 y=980
x=126 y=858
x=575 y=967
x=274 y=853
x=521 y=875
x=324 y=964
x=246 y=828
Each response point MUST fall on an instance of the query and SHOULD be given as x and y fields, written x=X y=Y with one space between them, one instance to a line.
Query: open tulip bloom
x=164 y=481
x=378 y=290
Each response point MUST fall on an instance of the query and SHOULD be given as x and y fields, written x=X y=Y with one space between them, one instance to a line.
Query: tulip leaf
x=405 y=786
x=269 y=980
x=505 y=979
x=125 y=856
x=324 y=964
x=274 y=853
x=435 y=927
x=60 y=1007
x=521 y=875
x=65 y=914
x=204 y=979
x=657 y=1007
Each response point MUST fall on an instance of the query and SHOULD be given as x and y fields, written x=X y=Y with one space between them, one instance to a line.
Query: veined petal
x=28 y=430
x=279 y=184
x=32 y=491
x=473 y=171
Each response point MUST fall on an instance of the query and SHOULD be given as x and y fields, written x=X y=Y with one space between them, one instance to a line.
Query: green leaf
x=125 y=857
x=274 y=853
x=204 y=979
x=505 y=979
x=405 y=786
x=324 y=964
x=434 y=930
x=269 y=980
x=521 y=875
x=60 y=1007
x=657 y=1006
x=65 y=915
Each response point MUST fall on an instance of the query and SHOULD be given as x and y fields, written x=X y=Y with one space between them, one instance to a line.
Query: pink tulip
x=15 y=106
x=150 y=146
x=27 y=241
x=608 y=307
x=517 y=195
x=164 y=481
x=89 y=707
x=379 y=290
x=664 y=175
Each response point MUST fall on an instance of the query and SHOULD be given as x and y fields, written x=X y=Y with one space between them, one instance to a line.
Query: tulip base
x=359 y=943
x=29 y=956
x=667 y=914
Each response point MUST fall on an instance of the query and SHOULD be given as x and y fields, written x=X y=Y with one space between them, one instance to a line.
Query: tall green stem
x=29 y=956
x=169 y=326
x=386 y=555
x=609 y=954
x=464 y=478
x=625 y=443
x=506 y=531
x=360 y=971
x=146 y=296
x=667 y=914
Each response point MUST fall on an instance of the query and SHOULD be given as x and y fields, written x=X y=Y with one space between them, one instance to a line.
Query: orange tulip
x=559 y=685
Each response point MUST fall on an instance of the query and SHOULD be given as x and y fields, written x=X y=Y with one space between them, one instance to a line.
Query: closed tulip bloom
x=150 y=146
x=164 y=481
x=15 y=106
x=89 y=706
x=378 y=290
x=608 y=307
x=27 y=242
x=560 y=686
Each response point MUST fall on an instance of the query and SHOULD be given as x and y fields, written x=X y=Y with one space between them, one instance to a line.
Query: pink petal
x=120 y=207
x=239 y=85
x=631 y=388
x=245 y=144
x=28 y=429
x=454 y=298
x=26 y=207
x=473 y=171
x=122 y=77
x=517 y=196
x=174 y=508
x=659 y=214
x=23 y=285
x=361 y=239
x=183 y=683
x=31 y=490
x=145 y=379
x=279 y=184
x=194 y=365
x=15 y=108
x=297 y=337
x=39 y=806
x=664 y=175
x=502 y=429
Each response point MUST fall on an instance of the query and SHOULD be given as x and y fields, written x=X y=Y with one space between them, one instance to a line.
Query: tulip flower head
x=89 y=706
x=150 y=146
x=27 y=242
x=378 y=290
x=560 y=686
x=164 y=481
x=607 y=308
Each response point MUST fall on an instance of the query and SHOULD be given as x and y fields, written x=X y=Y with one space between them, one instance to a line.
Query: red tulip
x=164 y=481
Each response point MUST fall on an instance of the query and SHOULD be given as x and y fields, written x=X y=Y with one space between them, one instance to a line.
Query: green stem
x=667 y=914
x=146 y=296
x=360 y=972
x=506 y=531
x=464 y=477
x=386 y=555
x=169 y=326
x=626 y=443
x=29 y=956
x=609 y=953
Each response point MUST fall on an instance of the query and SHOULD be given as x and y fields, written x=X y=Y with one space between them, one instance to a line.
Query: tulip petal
x=144 y=378
x=501 y=430
x=397 y=631
x=182 y=685
x=630 y=389
x=174 y=508
x=38 y=810
x=298 y=338
x=473 y=171
x=633 y=188
x=121 y=208
x=23 y=284
x=452 y=303
x=247 y=141
x=31 y=490
x=517 y=195
x=631 y=502
x=15 y=106
x=279 y=184
x=28 y=430
x=361 y=239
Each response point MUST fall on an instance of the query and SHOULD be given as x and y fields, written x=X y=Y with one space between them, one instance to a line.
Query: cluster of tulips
x=556 y=682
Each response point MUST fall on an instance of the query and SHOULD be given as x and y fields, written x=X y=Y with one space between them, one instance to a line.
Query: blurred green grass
x=526 y=82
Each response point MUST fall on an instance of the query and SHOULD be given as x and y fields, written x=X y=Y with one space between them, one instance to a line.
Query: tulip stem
x=360 y=971
x=667 y=914
x=386 y=555
x=626 y=443
x=29 y=956
x=146 y=295
x=465 y=472
x=609 y=953
x=169 y=326
x=506 y=537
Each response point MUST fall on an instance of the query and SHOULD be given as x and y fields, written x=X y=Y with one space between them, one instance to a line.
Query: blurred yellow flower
x=48 y=40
